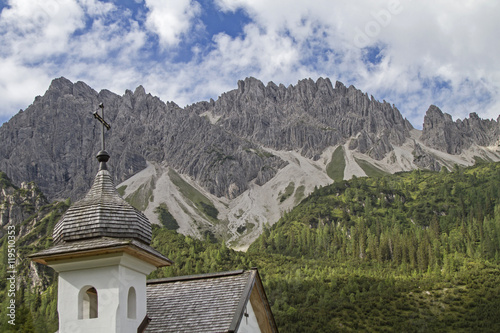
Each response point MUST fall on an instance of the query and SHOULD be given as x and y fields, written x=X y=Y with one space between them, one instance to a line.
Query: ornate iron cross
x=103 y=122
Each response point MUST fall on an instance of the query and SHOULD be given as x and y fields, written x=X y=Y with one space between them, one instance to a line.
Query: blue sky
x=409 y=53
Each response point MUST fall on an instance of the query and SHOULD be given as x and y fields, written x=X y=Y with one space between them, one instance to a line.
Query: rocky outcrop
x=52 y=141
x=424 y=160
x=18 y=203
x=442 y=133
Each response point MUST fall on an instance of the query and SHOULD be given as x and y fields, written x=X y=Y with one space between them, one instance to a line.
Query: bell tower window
x=131 y=303
x=88 y=303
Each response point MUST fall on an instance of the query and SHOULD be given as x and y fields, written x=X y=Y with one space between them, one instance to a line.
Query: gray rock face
x=308 y=117
x=18 y=203
x=424 y=160
x=442 y=133
x=54 y=141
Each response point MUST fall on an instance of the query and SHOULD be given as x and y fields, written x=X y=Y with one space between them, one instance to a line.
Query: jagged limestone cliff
x=308 y=117
x=53 y=142
x=442 y=133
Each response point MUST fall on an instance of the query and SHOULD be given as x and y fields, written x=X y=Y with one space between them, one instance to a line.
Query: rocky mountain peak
x=54 y=141
x=434 y=117
x=308 y=116
x=474 y=117
x=340 y=86
x=82 y=89
x=442 y=133
x=140 y=91
x=61 y=85
x=249 y=84
x=325 y=86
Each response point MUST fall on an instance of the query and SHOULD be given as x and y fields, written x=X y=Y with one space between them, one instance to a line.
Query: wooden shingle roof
x=203 y=303
x=102 y=213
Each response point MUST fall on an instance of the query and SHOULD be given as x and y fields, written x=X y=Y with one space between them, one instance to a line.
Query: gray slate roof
x=102 y=213
x=198 y=303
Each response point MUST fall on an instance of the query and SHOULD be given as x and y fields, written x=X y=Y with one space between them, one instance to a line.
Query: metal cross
x=103 y=122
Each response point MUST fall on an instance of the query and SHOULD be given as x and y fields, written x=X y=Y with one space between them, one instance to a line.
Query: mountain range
x=225 y=168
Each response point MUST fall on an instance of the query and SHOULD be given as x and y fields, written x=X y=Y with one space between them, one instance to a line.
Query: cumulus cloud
x=86 y=40
x=171 y=19
x=39 y=28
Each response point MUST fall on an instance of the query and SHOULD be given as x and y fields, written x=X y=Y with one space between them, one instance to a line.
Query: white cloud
x=87 y=40
x=96 y=8
x=16 y=82
x=38 y=28
x=171 y=19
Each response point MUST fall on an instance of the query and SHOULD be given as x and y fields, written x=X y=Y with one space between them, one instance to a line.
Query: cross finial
x=102 y=156
x=103 y=122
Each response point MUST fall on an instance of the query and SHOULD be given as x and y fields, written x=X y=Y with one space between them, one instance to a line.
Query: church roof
x=102 y=245
x=205 y=303
x=102 y=213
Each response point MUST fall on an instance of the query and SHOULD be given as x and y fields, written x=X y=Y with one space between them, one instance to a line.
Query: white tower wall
x=112 y=276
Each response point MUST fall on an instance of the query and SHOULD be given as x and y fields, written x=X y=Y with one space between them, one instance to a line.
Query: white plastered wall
x=249 y=324
x=111 y=275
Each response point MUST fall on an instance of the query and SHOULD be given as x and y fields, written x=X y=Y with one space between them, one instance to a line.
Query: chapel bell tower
x=102 y=253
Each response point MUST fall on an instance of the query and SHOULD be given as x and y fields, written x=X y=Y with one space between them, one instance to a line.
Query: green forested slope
x=411 y=252
x=414 y=218
x=415 y=251
x=36 y=294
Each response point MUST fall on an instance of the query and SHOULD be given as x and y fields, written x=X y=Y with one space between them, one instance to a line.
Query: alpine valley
x=356 y=220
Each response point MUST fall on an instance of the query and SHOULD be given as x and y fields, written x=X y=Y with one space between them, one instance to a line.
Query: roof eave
x=245 y=297
x=152 y=258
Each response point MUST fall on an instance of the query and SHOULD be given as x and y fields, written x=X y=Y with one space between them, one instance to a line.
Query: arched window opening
x=131 y=303
x=88 y=303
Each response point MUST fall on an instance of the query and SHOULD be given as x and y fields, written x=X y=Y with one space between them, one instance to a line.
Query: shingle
x=102 y=213
x=204 y=303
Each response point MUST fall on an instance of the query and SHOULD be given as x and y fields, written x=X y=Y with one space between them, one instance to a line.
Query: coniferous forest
x=411 y=252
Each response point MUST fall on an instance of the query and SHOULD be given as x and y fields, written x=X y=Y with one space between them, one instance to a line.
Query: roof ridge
x=196 y=276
